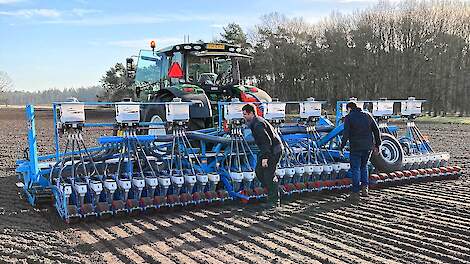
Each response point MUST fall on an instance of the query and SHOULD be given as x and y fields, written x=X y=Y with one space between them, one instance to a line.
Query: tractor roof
x=208 y=49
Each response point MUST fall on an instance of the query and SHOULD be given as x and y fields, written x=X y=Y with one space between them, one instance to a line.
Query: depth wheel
x=390 y=155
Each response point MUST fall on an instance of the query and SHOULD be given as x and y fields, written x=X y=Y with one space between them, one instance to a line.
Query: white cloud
x=140 y=19
x=83 y=12
x=349 y=1
x=364 y=1
x=109 y=20
x=9 y=1
x=138 y=43
x=28 y=13
x=145 y=43
x=218 y=25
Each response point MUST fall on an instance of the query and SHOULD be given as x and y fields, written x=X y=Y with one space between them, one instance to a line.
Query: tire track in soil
x=130 y=241
x=163 y=246
x=456 y=214
x=459 y=186
x=188 y=253
x=145 y=238
x=429 y=195
x=381 y=206
x=298 y=225
x=325 y=249
x=31 y=250
x=261 y=229
x=184 y=225
x=109 y=242
x=449 y=254
x=252 y=251
x=194 y=244
x=379 y=242
x=442 y=218
x=417 y=225
x=411 y=206
x=216 y=238
x=361 y=243
x=438 y=192
x=91 y=242
x=384 y=238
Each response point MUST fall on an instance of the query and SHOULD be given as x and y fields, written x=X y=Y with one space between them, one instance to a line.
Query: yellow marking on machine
x=215 y=46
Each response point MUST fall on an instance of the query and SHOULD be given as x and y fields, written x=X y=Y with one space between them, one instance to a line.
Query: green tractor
x=204 y=73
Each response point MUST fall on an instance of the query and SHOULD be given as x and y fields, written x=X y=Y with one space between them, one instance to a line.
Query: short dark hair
x=249 y=108
x=351 y=105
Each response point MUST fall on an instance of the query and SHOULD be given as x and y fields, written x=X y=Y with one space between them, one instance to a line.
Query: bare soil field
x=419 y=223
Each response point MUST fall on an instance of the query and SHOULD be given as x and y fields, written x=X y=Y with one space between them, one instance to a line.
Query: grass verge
x=445 y=120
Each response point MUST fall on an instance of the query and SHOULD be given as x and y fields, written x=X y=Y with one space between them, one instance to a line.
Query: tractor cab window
x=200 y=70
x=223 y=68
x=175 y=57
x=209 y=70
x=148 y=68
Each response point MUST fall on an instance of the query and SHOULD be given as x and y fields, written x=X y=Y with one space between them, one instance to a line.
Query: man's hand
x=264 y=163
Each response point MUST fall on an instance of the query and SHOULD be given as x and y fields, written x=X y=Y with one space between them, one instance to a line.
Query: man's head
x=350 y=106
x=249 y=112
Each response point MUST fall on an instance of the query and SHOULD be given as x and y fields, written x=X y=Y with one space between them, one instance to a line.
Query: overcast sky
x=59 y=44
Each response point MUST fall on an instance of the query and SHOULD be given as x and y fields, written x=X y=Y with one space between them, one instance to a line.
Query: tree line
x=413 y=48
x=49 y=96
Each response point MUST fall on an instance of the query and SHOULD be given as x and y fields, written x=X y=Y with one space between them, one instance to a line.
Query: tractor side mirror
x=138 y=90
x=130 y=68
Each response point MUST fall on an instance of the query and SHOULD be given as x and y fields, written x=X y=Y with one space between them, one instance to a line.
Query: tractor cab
x=205 y=72
x=215 y=72
x=210 y=67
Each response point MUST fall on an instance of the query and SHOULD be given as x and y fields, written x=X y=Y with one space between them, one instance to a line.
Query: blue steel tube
x=33 y=147
x=56 y=133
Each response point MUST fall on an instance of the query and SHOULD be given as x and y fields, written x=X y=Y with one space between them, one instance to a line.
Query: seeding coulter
x=139 y=170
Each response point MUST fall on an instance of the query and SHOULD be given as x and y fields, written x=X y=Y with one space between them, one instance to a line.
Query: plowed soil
x=419 y=223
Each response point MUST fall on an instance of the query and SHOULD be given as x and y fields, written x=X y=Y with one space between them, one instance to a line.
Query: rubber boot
x=273 y=194
x=365 y=191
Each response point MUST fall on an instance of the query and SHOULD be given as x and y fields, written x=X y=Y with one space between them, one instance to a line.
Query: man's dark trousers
x=266 y=175
x=359 y=171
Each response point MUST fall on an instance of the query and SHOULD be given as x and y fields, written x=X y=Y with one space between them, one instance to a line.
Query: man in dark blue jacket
x=363 y=134
x=270 y=152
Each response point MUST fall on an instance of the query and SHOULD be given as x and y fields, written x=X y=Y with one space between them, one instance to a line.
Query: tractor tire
x=156 y=113
x=390 y=155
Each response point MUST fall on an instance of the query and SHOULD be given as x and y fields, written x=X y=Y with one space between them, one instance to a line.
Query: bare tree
x=6 y=84
x=411 y=48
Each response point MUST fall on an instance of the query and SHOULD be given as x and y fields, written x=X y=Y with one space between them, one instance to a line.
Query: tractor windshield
x=210 y=70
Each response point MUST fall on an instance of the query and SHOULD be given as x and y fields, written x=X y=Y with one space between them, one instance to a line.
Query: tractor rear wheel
x=156 y=113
